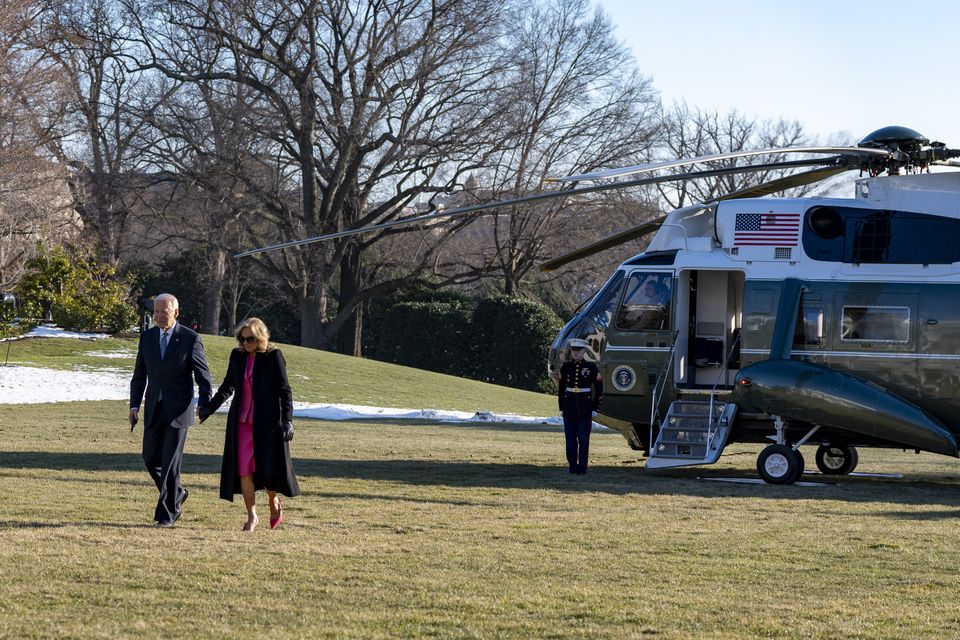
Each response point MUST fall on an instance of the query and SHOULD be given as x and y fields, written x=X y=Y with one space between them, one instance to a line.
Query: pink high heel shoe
x=275 y=522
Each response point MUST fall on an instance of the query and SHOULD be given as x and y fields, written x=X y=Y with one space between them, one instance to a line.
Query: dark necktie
x=163 y=344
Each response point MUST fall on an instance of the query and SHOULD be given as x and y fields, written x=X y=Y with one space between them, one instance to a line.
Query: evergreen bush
x=428 y=335
x=503 y=340
x=79 y=292
x=513 y=336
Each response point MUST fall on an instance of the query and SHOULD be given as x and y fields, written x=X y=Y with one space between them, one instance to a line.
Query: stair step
x=685 y=430
x=681 y=450
x=695 y=408
x=696 y=423
x=695 y=437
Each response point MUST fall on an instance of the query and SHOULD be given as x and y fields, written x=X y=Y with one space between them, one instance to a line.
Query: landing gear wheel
x=780 y=464
x=837 y=460
x=800 y=467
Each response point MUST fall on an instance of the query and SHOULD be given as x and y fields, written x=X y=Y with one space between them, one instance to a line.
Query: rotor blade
x=781 y=184
x=688 y=175
x=645 y=168
x=603 y=245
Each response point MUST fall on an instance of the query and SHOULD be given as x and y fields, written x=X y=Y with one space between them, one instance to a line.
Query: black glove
x=287 y=431
x=203 y=413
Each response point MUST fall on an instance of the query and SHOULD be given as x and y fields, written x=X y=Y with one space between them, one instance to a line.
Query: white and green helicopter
x=789 y=321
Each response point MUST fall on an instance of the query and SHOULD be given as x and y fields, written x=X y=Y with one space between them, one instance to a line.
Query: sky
x=836 y=66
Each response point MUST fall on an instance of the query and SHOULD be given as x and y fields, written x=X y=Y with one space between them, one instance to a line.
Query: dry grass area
x=450 y=531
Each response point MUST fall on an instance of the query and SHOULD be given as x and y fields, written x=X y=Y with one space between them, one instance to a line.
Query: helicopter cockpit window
x=646 y=303
x=591 y=324
x=601 y=311
x=875 y=324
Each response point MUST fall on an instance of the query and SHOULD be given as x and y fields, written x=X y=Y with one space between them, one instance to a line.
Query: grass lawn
x=426 y=530
x=462 y=531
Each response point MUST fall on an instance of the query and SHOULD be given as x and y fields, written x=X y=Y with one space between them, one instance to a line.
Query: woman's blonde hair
x=259 y=331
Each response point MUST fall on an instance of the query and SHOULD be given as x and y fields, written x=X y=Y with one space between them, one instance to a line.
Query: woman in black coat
x=256 y=449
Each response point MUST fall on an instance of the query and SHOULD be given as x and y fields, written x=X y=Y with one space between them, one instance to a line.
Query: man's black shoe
x=183 y=498
x=165 y=525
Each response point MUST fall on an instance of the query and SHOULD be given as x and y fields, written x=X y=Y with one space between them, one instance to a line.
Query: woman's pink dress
x=246 y=464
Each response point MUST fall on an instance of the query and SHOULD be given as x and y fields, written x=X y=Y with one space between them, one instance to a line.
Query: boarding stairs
x=693 y=432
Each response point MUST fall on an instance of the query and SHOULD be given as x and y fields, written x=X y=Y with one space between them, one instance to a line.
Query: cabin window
x=646 y=303
x=875 y=324
x=809 y=329
x=872 y=236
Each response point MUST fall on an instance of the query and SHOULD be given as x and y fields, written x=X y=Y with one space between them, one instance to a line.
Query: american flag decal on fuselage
x=766 y=229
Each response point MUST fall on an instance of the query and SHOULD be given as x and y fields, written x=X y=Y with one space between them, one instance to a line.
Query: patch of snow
x=51 y=331
x=34 y=385
x=112 y=354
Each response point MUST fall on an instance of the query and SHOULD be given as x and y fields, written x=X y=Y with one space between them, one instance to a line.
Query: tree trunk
x=232 y=310
x=312 y=312
x=351 y=283
x=212 y=296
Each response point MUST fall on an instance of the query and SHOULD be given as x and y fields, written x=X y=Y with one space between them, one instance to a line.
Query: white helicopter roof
x=763 y=236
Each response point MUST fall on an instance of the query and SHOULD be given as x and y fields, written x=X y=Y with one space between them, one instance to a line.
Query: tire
x=801 y=465
x=836 y=460
x=779 y=464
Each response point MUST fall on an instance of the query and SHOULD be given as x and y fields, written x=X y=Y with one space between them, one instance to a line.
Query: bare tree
x=82 y=40
x=369 y=106
x=576 y=103
x=691 y=132
x=211 y=164
x=33 y=194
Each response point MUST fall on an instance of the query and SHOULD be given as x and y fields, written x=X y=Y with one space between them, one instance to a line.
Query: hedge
x=502 y=340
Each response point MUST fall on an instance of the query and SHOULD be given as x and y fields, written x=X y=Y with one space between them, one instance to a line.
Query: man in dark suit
x=170 y=357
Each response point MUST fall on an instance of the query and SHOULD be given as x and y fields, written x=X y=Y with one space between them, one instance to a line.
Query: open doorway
x=709 y=315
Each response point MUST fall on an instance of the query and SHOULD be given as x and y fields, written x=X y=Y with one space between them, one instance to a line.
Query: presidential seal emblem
x=623 y=378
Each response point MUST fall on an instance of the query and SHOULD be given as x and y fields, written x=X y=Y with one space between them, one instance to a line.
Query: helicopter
x=790 y=322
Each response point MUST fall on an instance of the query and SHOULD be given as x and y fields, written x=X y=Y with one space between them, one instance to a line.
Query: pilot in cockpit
x=655 y=292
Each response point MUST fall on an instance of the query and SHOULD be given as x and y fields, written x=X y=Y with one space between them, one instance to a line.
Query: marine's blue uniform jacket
x=585 y=377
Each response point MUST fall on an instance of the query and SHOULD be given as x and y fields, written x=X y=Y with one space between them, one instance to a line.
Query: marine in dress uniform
x=580 y=390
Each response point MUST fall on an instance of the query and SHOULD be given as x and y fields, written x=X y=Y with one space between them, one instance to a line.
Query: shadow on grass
x=12 y=524
x=921 y=516
x=495 y=475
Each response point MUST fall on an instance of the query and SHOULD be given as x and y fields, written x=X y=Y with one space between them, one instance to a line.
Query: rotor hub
x=908 y=148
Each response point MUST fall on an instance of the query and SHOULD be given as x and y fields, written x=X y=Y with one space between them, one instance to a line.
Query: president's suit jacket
x=183 y=362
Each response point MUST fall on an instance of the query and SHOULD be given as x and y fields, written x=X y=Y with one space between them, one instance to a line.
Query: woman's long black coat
x=272 y=405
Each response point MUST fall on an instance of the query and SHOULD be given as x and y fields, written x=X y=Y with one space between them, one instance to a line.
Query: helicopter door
x=710 y=316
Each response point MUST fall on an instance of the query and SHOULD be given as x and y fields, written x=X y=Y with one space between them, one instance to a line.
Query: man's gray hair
x=167 y=298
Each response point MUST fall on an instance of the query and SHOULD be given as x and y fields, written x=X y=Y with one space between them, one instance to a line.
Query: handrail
x=661 y=383
x=713 y=392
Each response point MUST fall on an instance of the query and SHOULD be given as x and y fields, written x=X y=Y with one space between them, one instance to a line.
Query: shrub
x=428 y=335
x=81 y=293
x=503 y=340
x=513 y=336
